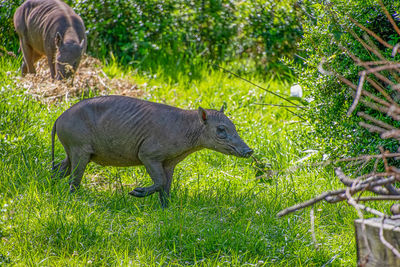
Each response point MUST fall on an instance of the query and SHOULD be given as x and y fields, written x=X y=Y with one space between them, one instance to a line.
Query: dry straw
x=89 y=77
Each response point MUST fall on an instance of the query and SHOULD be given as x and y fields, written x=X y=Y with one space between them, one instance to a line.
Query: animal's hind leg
x=79 y=161
x=62 y=169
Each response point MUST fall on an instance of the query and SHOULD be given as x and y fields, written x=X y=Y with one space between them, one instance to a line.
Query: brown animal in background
x=53 y=29
x=125 y=131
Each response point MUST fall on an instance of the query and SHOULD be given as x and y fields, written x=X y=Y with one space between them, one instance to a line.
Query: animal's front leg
x=164 y=194
x=156 y=172
x=51 y=62
x=27 y=63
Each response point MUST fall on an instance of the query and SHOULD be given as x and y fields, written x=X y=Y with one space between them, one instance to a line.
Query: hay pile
x=89 y=78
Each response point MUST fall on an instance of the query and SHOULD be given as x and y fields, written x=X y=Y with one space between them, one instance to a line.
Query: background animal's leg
x=35 y=57
x=62 y=169
x=156 y=172
x=27 y=63
x=51 y=62
x=79 y=161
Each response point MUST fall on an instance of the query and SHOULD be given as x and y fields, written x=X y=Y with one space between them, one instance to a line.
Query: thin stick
x=271 y=92
x=388 y=111
x=391 y=134
x=353 y=86
x=385 y=163
x=381 y=90
x=395 y=48
x=389 y=17
x=373 y=45
x=379 y=198
x=325 y=195
x=376 y=99
x=379 y=39
x=312 y=218
x=364 y=44
x=277 y=105
x=371 y=63
x=372 y=128
x=381 y=68
x=376 y=121
x=305 y=204
x=358 y=94
x=385 y=242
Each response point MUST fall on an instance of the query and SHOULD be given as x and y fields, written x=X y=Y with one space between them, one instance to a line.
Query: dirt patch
x=89 y=78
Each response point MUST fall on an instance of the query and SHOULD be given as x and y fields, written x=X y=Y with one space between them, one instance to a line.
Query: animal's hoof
x=138 y=192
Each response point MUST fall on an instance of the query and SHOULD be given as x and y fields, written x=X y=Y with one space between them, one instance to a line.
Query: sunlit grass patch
x=221 y=212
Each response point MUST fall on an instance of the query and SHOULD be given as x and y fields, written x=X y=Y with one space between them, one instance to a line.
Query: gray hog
x=124 y=131
x=53 y=29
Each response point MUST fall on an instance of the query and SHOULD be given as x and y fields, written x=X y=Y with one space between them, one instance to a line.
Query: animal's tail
x=53 y=133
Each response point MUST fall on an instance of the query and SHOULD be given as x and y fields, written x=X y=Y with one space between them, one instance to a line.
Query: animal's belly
x=115 y=160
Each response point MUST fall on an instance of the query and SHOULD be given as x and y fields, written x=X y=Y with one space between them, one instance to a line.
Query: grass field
x=220 y=213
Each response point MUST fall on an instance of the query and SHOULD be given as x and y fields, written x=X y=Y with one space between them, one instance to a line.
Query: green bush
x=334 y=132
x=180 y=33
x=8 y=36
x=219 y=30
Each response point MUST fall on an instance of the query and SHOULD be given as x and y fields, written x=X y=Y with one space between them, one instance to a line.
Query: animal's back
x=38 y=20
x=114 y=127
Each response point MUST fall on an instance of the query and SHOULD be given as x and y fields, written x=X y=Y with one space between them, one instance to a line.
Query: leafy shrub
x=8 y=36
x=147 y=33
x=272 y=29
x=334 y=132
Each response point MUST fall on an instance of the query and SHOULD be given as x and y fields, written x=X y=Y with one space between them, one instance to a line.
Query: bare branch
x=337 y=195
x=389 y=111
x=378 y=198
x=381 y=90
x=376 y=121
x=395 y=48
x=372 y=128
x=385 y=242
x=358 y=93
x=379 y=39
x=389 y=17
x=305 y=204
x=391 y=134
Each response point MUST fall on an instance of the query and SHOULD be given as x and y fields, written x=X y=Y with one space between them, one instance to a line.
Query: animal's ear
x=203 y=115
x=222 y=109
x=58 y=40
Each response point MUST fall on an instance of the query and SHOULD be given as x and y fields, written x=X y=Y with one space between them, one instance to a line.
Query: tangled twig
x=378 y=92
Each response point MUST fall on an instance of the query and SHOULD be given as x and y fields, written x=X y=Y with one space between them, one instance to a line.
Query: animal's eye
x=221 y=132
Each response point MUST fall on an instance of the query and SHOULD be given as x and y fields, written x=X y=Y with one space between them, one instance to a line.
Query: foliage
x=146 y=33
x=8 y=36
x=185 y=30
x=335 y=133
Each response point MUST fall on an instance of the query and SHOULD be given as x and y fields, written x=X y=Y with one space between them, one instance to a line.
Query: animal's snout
x=247 y=152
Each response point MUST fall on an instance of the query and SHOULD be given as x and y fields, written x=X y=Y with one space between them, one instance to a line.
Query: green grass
x=219 y=215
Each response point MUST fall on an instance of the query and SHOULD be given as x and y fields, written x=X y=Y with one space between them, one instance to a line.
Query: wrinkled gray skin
x=53 y=29
x=124 y=131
